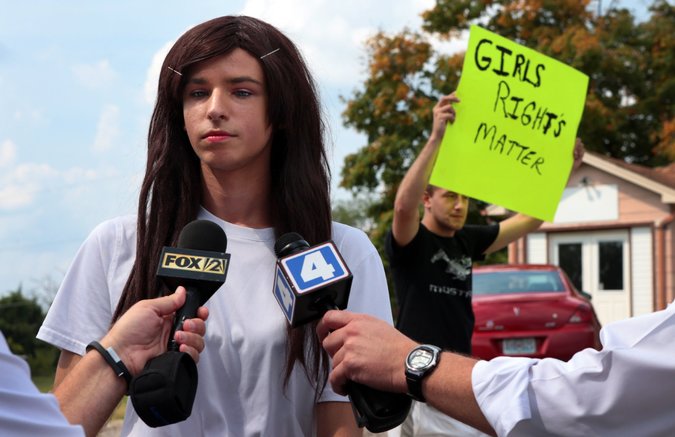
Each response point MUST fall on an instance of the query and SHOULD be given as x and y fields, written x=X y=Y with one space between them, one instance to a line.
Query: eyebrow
x=234 y=80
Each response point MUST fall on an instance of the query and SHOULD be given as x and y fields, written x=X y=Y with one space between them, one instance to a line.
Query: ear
x=426 y=199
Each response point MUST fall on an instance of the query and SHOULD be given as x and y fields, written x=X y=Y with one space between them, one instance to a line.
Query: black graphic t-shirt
x=432 y=279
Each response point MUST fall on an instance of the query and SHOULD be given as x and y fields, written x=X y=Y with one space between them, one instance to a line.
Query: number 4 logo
x=315 y=266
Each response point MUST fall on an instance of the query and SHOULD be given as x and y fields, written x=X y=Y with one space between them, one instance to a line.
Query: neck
x=433 y=226
x=238 y=199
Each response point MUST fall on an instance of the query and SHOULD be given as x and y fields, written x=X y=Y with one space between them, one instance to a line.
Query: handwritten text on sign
x=511 y=143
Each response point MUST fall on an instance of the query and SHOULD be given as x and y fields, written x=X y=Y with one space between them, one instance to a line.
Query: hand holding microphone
x=308 y=282
x=164 y=392
x=199 y=263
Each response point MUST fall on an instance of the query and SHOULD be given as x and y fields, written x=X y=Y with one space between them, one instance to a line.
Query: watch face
x=420 y=359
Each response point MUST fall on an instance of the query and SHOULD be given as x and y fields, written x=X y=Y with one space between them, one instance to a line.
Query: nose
x=217 y=108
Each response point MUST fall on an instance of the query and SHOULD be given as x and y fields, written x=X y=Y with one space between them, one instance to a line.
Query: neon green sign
x=512 y=140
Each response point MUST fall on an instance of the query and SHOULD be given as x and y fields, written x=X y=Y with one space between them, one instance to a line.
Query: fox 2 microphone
x=163 y=393
x=308 y=282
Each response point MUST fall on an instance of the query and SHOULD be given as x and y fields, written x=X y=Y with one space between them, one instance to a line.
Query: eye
x=242 y=93
x=197 y=93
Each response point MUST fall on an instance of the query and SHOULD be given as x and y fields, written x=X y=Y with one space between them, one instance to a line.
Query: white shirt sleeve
x=24 y=411
x=626 y=389
x=83 y=307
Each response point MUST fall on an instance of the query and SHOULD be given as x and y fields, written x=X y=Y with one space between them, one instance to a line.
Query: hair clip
x=175 y=71
x=270 y=53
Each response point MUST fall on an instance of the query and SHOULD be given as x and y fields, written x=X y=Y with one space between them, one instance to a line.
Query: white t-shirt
x=24 y=411
x=240 y=391
x=626 y=389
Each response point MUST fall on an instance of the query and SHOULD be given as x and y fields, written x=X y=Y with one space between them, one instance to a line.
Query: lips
x=216 y=136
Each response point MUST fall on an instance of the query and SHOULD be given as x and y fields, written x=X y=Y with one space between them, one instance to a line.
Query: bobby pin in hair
x=272 y=52
x=175 y=71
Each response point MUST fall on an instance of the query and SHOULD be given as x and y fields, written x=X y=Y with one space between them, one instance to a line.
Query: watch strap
x=415 y=388
x=113 y=360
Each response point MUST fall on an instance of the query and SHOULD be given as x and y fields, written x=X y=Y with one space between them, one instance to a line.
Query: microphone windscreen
x=203 y=235
x=289 y=243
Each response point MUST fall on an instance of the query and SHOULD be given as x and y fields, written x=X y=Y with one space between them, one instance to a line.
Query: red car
x=531 y=311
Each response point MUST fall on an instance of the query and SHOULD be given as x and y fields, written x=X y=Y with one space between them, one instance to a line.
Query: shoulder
x=111 y=242
x=345 y=234
x=116 y=230
x=352 y=242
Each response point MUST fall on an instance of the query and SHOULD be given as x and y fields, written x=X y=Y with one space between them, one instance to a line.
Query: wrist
x=122 y=350
x=113 y=360
x=434 y=140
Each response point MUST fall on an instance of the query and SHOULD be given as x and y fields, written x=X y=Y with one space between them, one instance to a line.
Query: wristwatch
x=419 y=364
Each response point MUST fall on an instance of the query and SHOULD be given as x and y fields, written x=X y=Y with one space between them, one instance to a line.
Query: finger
x=191 y=351
x=449 y=98
x=338 y=380
x=189 y=339
x=331 y=321
x=196 y=326
x=333 y=343
x=203 y=313
x=445 y=110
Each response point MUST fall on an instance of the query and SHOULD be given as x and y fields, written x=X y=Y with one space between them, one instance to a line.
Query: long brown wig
x=171 y=191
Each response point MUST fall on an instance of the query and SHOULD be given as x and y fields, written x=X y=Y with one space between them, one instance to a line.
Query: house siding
x=642 y=270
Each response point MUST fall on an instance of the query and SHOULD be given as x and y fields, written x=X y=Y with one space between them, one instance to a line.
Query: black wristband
x=113 y=360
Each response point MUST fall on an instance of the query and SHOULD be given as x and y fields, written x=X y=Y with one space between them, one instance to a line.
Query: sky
x=77 y=87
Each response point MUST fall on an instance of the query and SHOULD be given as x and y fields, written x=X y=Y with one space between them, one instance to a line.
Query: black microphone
x=163 y=393
x=199 y=263
x=308 y=282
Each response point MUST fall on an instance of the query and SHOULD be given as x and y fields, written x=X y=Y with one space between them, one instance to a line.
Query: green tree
x=629 y=107
x=354 y=212
x=20 y=319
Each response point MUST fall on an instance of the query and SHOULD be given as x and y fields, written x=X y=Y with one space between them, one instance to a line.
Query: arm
x=512 y=229
x=406 y=212
x=520 y=225
x=336 y=419
x=372 y=352
x=88 y=389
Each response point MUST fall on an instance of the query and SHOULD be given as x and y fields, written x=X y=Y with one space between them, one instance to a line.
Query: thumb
x=166 y=305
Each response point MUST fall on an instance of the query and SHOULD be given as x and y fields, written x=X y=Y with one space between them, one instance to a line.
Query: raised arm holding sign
x=470 y=153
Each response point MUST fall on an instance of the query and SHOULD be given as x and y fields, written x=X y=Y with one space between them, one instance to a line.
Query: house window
x=569 y=259
x=611 y=265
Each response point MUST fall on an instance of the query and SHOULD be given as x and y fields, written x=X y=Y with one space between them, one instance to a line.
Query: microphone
x=163 y=393
x=308 y=282
x=199 y=263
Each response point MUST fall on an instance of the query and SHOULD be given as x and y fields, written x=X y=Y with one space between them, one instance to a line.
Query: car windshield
x=516 y=282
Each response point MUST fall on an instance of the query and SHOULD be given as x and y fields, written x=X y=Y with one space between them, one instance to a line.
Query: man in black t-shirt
x=431 y=262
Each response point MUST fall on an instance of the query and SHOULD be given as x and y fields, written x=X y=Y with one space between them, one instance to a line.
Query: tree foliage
x=20 y=319
x=629 y=112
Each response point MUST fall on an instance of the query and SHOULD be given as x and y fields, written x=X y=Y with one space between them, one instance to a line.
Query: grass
x=43 y=383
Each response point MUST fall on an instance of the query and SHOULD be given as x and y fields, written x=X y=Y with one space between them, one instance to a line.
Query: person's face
x=225 y=113
x=446 y=209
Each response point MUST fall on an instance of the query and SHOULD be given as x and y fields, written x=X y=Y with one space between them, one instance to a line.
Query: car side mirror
x=586 y=295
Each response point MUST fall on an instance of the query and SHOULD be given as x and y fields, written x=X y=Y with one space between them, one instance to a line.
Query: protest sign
x=511 y=143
